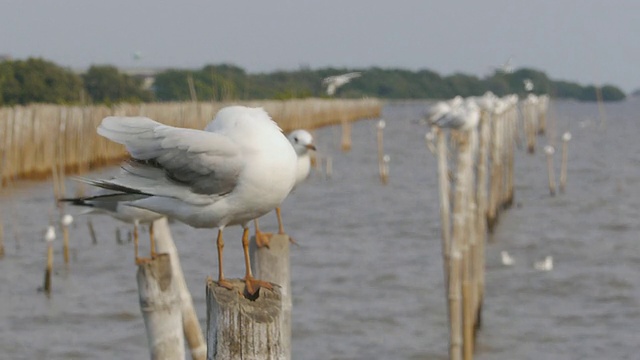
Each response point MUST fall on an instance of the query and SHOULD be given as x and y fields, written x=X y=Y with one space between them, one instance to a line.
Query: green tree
x=106 y=84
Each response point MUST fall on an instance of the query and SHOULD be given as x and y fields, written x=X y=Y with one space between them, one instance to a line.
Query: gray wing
x=206 y=162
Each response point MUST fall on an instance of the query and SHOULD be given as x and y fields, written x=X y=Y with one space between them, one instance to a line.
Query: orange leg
x=221 y=281
x=280 y=226
x=138 y=260
x=262 y=239
x=252 y=284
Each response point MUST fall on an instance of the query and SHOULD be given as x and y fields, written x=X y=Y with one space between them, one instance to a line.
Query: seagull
x=302 y=143
x=507 y=260
x=334 y=82
x=117 y=205
x=239 y=168
x=461 y=116
x=544 y=265
x=528 y=84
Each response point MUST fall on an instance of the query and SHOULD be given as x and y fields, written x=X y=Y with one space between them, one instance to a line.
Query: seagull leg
x=135 y=243
x=152 y=241
x=252 y=283
x=281 y=227
x=262 y=239
x=221 y=280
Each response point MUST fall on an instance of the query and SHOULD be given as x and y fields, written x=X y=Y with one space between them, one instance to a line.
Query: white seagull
x=544 y=265
x=117 y=205
x=461 y=116
x=507 y=260
x=302 y=143
x=239 y=168
x=334 y=82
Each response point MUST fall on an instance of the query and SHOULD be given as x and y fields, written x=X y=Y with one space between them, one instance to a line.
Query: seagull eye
x=295 y=139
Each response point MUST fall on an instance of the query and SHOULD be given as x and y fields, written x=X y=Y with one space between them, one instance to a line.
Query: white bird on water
x=334 y=82
x=544 y=265
x=116 y=205
x=239 y=168
x=302 y=142
x=507 y=260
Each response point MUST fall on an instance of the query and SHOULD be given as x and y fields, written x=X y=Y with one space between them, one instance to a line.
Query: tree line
x=38 y=80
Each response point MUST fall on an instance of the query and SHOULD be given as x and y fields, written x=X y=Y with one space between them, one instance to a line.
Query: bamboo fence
x=38 y=140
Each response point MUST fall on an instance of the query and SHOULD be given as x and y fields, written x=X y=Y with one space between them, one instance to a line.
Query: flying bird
x=302 y=143
x=239 y=168
x=334 y=82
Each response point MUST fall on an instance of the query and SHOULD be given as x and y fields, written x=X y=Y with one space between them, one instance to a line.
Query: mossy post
x=240 y=328
x=160 y=307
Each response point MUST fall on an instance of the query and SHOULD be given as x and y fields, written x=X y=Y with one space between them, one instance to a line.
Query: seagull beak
x=310 y=147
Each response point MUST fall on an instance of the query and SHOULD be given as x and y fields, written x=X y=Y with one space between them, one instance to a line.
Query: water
x=367 y=279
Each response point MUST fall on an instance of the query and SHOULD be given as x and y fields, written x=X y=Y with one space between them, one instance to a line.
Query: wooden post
x=49 y=236
x=1 y=234
x=346 y=136
x=160 y=307
x=459 y=235
x=92 y=232
x=381 y=166
x=481 y=219
x=272 y=264
x=190 y=324
x=65 y=222
x=495 y=172
x=549 y=150
x=243 y=329
x=445 y=207
x=566 y=137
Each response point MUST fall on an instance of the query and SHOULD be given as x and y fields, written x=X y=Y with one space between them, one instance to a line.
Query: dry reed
x=41 y=139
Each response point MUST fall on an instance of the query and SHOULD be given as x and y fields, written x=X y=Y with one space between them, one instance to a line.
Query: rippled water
x=367 y=278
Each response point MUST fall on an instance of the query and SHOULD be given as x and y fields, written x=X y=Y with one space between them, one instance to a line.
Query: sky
x=586 y=41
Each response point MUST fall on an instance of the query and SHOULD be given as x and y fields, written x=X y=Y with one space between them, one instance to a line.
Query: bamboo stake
x=566 y=137
x=65 y=222
x=549 y=150
x=272 y=264
x=243 y=329
x=380 y=135
x=92 y=232
x=49 y=236
x=481 y=223
x=346 y=136
x=445 y=208
x=160 y=307
x=190 y=325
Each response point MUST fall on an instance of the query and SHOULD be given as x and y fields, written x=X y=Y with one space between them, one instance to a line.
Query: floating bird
x=302 y=143
x=544 y=265
x=239 y=168
x=118 y=206
x=507 y=260
x=334 y=82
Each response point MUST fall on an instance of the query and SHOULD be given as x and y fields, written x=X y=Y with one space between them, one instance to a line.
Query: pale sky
x=587 y=41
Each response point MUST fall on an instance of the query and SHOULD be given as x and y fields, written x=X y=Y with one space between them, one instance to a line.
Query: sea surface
x=367 y=277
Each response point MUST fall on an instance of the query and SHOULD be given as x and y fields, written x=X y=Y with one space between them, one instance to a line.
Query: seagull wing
x=207 y=163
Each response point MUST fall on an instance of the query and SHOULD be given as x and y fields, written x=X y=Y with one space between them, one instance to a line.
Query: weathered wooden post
x=49 y=236
x=241 y=328
x=92 y=232
x=1 y=233
x=481 y=219
x=160 y=307
x=272 y=264
x=549 y=151
x=380 y=135
x=346 y=136
x=566 y=137
x=495 y=173
x=445 y=207
x=190 y=325
x=65 y=222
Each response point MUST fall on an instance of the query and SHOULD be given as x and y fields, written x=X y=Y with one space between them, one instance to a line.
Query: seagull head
x=302 y=141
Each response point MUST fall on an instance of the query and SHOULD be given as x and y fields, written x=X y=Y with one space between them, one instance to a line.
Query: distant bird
x=544 y=265
x=302 y=142
x=117 y=205
x=507 y=260
x=528 y=84
x=334 y=82
x=238 y=169
x=464 y=116
x=50 y=234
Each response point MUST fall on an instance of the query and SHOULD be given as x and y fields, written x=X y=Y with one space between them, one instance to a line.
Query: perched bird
x=239 y=168
x=507 y=260
x=544 y=265
x=302 y=143
x=334 y=82
x=461 y=116
x=117 y=206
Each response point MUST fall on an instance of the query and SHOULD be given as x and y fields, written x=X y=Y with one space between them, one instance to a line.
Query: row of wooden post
x=483 y=185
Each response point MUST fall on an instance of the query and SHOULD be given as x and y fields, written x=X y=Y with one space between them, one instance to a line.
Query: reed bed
x=41 y=139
